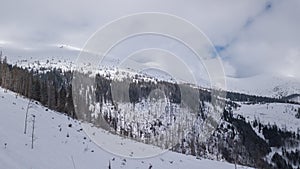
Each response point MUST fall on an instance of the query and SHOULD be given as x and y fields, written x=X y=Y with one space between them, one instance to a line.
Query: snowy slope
x=60 y=143
x=280 y=114
x=283 y=115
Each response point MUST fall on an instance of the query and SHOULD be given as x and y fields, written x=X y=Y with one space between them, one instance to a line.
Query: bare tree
x=32 y=134
x=26 y=115
x=109 y=166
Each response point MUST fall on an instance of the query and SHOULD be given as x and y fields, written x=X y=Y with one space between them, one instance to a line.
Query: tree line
x=52 y=89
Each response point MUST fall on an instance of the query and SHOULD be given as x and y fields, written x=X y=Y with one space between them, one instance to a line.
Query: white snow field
x=60 y=143
x=281 y=114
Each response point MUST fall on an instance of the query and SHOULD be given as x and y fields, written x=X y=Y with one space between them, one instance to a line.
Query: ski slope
x=60 y=142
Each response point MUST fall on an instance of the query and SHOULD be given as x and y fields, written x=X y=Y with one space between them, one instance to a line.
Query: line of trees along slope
x=52 y=88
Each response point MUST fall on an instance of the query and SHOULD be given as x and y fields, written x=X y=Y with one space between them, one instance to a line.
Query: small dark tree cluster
x=280 y=162
x=293 y=156
x=298 y=114
x=276 y=136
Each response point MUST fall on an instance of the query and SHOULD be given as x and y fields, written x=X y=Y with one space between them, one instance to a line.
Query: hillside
x=59 y=142
x=151 y=114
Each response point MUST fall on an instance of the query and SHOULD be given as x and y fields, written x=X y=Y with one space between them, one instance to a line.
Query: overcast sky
x=252 y=36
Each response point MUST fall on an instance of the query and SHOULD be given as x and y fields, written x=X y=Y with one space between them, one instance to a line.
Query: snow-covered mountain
x=251 y=126
x=269 y=85
x=60 y=142
x=265 y=85
x=64 y=57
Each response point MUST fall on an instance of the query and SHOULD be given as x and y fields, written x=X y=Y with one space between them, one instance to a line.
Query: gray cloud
x=271 y=43
x=254 y=36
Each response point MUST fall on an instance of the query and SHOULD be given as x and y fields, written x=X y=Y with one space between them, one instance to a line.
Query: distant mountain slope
x=64 y=57
x=265 y=85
